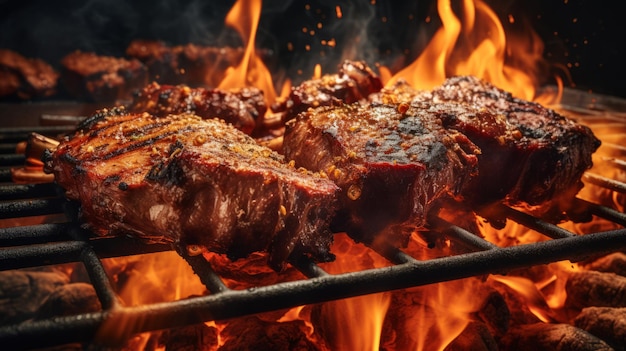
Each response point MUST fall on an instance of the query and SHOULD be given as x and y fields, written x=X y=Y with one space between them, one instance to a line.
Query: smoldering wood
x=517 y=305
x=591 y=288
x=612 y=263
x=607 y=323
x=253 y=333
x=199 y=337
x=23 y=292
x=551 y=337
x=476 y=337
x=70 y=299
x=495 y=314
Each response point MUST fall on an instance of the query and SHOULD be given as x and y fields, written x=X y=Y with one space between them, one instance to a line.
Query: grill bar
x=218 y=306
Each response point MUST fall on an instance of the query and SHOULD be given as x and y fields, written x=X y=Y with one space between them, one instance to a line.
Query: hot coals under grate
x=64 y=241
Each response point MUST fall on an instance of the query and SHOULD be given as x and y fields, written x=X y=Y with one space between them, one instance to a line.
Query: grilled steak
x=189 y=64
x=530 y=154
x=354 y=82
x=185 y=180
x=392 y=162
x=242 y=108
x=25 y=78
x=91 y=77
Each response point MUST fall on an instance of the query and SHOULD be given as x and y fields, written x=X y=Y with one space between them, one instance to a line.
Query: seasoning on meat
x=531 y=155
x=391 y=161
x=243 y=107
x=189 y=181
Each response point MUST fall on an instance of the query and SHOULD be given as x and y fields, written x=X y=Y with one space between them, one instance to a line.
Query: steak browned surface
x=92 y=77
x=25 y=78
x=391 y=161
x=354 y=82
x=531 y=155
x=189 y=181
x=242 y=108
x=189 y=64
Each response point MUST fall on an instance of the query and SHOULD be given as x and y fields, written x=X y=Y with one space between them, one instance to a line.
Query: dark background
x=584 y=36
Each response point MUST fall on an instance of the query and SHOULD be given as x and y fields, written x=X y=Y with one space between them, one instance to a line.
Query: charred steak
x=189 y=181
x=391 y=161
x=354 y=82
x=242 y=108
x=531 y=155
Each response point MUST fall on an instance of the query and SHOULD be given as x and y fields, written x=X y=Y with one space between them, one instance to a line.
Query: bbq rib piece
x=242 y=108
x=354 y=82
x=392 y=162
x=189 y=181
x=188 y=64
x=531 y=155
x=92 y=77
x=25 y=78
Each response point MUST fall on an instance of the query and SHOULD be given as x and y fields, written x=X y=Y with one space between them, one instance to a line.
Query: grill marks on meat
x=242 y=108
x=354 y=82
x=531 y=155
x=185 y=180
x=392 y=162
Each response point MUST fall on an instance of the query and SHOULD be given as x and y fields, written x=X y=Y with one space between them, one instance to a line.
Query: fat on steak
x=531 y=155
x=391 y=161
x=188 y=181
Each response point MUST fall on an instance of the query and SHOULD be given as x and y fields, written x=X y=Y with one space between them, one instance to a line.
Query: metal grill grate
x=66 y=242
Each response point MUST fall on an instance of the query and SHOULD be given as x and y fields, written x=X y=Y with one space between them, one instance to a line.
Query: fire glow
x=474 y=43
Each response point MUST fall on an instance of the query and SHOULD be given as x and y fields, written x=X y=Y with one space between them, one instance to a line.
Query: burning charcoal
x=70 y=299
x=25 y=78
x=241 y=108
x=354 y=82
x=23 y=292
x=474 y=337
x=516 y=304
x=607 y=323
x=613 y=263
x=590 y=288
x=551 y=337
x=252 y=333
x=199 y=337
x=495 y=314
x=88 y=76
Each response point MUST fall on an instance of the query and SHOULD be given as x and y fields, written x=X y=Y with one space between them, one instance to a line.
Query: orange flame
x=475 y=45
x=244 y=17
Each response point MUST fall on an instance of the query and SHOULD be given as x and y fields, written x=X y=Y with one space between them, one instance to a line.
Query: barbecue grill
x=66 y=242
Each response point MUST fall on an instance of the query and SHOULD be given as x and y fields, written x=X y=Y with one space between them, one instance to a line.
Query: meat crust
x=392 y=162
x=354 y=82
x=25 y=78
x=189 y=181
x=242 y=108
x=531 y=155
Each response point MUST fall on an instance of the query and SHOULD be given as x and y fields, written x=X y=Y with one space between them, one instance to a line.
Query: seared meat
x=242 y=108
x=530 y=154
x=392 y=162
x=354 y=82
x=186 y=180
x=25 y=78
x=189 y=64
x=88 y=76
